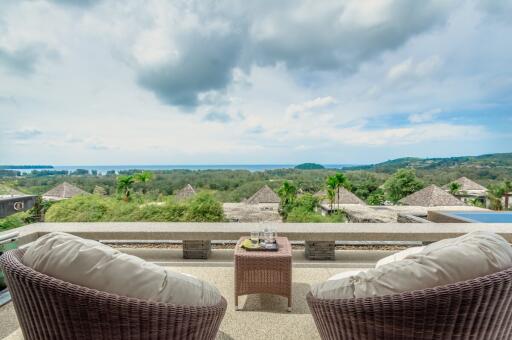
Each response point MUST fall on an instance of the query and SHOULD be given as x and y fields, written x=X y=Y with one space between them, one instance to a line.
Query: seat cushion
x=448 y=261
x=94 y=265
x=399 y=256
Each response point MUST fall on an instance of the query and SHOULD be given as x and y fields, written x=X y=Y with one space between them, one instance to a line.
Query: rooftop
x=431 y=196
x=63 y=191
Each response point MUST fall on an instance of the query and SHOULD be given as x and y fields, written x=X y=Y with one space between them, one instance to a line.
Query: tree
x=287 y=193
x=124 y=186
x=402 y=183
x=331 y=196
x=143 y=177
x=494 y=195
x=336 y=182
x=454 y=188
x=376 y=198
x=507 y=185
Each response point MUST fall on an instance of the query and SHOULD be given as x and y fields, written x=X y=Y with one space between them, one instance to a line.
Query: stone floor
x=261 y=316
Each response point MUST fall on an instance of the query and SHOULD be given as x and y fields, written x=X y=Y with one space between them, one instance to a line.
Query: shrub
x=204 y=208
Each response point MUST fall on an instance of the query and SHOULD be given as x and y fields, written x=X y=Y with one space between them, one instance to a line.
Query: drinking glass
x=255 y=237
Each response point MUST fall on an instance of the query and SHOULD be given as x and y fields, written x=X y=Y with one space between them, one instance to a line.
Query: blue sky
x=195 y=82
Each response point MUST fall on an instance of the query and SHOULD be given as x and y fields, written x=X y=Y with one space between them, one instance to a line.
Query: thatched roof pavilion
x=63 y=191
x=468 y=187
x=264 y=195
x=345 y=197
x=186 y=192
x=431 y=196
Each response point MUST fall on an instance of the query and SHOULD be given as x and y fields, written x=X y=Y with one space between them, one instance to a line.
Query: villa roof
x=345 y=197
x=264 y=195
x=466 y=185
x=63 y=191
x=8 y=191
x=431 y=196
x=186 y=192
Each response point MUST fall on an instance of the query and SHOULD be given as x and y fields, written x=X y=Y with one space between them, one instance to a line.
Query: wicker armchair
x=475 y=309
x=49 y=308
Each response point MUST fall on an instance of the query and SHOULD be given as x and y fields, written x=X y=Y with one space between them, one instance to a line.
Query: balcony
x=261 y=315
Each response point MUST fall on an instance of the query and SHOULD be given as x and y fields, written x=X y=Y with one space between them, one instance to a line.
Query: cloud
x=219 y=117
x=78 y=3
x=424 y=116
x=21 y=61
x=409 y=70
x=195 y=48
x=316 y=103
x=26 y=133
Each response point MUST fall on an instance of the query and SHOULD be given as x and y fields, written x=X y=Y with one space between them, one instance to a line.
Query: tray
x=249 y=246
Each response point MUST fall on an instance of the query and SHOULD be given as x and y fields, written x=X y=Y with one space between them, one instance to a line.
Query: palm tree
x=124 y=186
x=287 y=192
x=143 y=177
x=454 y=188
x=507 y=186
x=336 y=182
x=331 y=196
x=494 y=194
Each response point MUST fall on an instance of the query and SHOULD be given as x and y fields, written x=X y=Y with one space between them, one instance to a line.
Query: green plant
x=494 y=195
x=287 y=194
x=124 y=186
x=204 y=208
x=376 y=198
x=402 y=183
x=143 y=177
x=454 y=188
x=335 y=183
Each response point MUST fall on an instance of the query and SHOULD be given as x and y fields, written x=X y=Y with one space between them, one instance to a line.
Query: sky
x=245 y=82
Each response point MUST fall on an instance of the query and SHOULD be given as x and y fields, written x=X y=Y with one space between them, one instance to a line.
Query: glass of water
x=255 y=237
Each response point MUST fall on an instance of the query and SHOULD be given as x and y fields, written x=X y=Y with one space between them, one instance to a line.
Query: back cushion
x=444 y=262
x=94 y=265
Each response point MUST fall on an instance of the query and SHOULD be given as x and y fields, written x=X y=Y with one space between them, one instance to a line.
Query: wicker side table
x=264 y=271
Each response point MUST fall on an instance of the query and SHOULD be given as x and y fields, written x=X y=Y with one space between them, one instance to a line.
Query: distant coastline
x=105 y=168
x=25 y=167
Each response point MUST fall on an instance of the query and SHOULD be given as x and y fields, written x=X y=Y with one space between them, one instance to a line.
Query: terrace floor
x=262 y=316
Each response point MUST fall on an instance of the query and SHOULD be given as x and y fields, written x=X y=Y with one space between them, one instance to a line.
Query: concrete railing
x=321 y=234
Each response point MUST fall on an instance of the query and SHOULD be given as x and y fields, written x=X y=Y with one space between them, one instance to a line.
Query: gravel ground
x=232 y=245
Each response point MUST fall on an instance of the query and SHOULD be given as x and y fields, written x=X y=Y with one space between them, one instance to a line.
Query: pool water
x=483 y=217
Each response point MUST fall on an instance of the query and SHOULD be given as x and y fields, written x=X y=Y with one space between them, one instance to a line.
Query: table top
x=284 y=249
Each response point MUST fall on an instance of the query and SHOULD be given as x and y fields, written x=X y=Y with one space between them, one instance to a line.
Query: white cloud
x=316 y=103
x=144 y=77
x=424 y=116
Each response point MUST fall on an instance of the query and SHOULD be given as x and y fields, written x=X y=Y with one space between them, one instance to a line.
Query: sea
x=102 y=169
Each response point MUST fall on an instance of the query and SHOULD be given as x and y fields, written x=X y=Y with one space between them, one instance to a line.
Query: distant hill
x=309 y=166
x=490 y=161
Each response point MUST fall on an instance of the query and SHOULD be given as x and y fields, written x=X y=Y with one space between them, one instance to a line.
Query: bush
x=93 y=208
x=204 y=208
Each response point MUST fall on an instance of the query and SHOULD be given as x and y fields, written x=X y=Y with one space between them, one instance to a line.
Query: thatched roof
x=8 y=191
x=467 y=185
x=63 y=191
x=431 y=196
x=186 y=192
x=264 y=195
x=345 y=197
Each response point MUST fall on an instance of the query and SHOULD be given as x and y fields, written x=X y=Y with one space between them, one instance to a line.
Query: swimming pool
x=482 y=216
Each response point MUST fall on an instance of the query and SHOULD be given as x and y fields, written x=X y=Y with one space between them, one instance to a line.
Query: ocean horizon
x=102 y=169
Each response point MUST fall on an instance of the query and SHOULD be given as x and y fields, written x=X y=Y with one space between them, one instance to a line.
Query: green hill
x=490 y=161
x=309 y=166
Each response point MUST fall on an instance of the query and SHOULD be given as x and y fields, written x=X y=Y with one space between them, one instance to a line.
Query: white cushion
x=94 y=265
x=343 y=275
x=399 y=256
x=448 y=261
